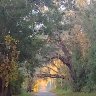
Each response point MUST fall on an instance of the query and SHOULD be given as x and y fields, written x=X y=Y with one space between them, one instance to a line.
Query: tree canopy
x=37 y=31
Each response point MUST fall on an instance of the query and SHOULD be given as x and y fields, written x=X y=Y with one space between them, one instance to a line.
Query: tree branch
x=65 y=61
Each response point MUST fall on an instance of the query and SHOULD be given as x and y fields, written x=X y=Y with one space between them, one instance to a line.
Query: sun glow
x=46 y=84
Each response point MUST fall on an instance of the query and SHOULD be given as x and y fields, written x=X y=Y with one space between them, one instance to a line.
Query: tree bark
x=9 y=93
x=4 y=91
x=0 y=87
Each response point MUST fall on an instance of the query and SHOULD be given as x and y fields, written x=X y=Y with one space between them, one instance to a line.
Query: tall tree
x=16 y=20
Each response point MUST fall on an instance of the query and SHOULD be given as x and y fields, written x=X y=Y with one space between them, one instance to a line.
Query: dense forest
x=35 y=32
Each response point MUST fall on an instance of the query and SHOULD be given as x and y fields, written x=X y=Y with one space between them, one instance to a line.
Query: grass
x=61 y=92
x=24 y=93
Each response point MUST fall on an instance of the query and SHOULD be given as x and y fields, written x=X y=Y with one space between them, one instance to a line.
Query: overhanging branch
x=65 y=61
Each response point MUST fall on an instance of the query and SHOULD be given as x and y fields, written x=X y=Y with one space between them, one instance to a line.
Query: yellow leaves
x=8 y=39
x=76 y=39
x=81 y=3
x=13 y=71
x=8 y=66
x=43 y=9
x=81 y=38
x=70 y=13
x=9 y=72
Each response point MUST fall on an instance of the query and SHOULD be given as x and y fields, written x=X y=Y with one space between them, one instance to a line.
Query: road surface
x=44 y=88
x=45 y=94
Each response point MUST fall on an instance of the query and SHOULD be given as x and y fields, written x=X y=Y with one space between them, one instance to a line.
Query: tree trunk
x=9 y=93
x=68 y=62
x=0 y=87
x=4 y=91
x=72 y=72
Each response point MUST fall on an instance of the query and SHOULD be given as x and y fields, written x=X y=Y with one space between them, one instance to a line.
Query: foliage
x=8 y=66
x=61 y=92
x=71 y=37
x=24 y=93
x=16 y=85
x=18 y=21
x=91 y=61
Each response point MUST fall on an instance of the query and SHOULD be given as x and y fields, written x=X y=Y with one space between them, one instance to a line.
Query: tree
x=8 y=66
x=90 y=30
x=16 y=19
x=64 y=38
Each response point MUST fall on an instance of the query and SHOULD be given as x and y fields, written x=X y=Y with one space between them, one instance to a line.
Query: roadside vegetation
x=24 y=93
x=61 y=92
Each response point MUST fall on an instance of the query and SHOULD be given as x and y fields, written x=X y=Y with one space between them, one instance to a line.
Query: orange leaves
x=76 y=39
x=81 y=38
x=13 y=71
x=8 y=66
x=81 y=3
x=8 y=72
x=8 y=39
